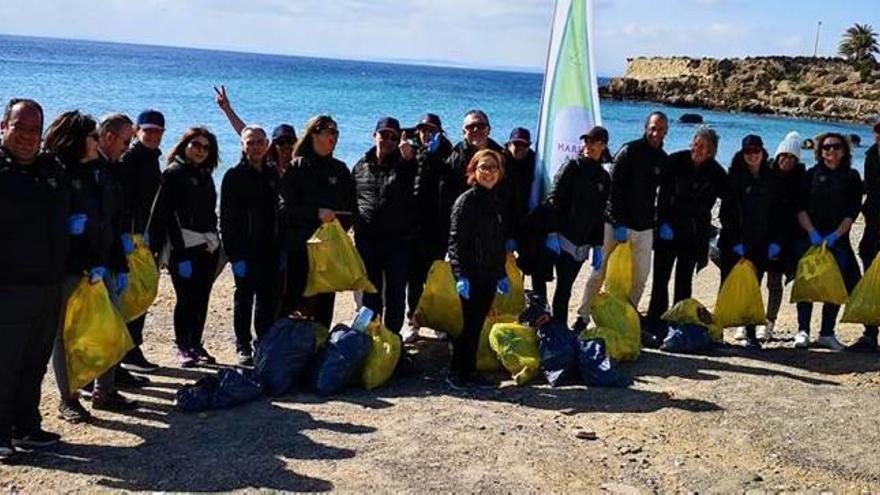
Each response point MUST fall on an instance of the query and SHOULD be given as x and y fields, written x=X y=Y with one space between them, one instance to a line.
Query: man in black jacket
x=385 y=218
x=141 y=176
x=870 y=243
x=34 y=209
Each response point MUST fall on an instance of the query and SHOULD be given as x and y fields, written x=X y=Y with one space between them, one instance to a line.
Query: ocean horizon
x=101 y=77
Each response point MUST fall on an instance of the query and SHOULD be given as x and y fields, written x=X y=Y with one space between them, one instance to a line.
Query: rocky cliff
x=820 y=88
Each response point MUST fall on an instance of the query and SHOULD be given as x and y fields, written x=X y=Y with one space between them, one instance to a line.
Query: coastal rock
x=806 y=87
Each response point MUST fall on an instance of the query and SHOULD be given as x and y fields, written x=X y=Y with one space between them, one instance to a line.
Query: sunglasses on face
x=330 y=131
x=832 y=147
x=284 y=142
x=198 y=145
x=752 y=151
x=476 y=126
x=388 y=135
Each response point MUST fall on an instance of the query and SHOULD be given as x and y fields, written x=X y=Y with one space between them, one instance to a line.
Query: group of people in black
x=75 y=199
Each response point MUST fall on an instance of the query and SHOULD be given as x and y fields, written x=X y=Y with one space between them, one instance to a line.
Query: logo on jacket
x=332 y=180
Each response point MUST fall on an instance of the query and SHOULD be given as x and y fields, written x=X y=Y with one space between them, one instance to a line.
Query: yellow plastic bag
x=143 y=282
x=739 y=301
x=439 y=307
x=334 y=263
x=487 y=360
x=95 y=337
x=619 y=345
x=517 y=348
x=692 y=312
x=383 y=356
x=619 y=270
x=863 y=305
x=618 y=315
x=514 y=302
x=818 y=278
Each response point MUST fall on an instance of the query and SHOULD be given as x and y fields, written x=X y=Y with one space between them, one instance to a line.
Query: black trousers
x=255 y=300
x=387 y=262
x=193 y=294
x=665 y=255
x=136 y=329
x=320 y=306
x=474 y=309
x=423 y=253
x=28 y=322
x=567 y=269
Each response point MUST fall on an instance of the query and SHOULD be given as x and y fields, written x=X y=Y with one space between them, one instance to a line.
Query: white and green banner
x=570 y=98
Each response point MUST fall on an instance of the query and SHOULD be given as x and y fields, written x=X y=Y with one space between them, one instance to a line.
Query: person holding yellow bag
x=317 y=188
x=830 y=201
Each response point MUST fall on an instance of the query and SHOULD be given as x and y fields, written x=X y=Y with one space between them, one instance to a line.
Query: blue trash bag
x=341 y=360
x=686 y=339
x=559 y=352
x=283 y=354
x=597 y=369
x=197 y=397
x=236 y=386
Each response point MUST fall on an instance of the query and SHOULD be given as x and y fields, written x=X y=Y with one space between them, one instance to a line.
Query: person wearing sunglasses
x=869 y=246
x=385 y=219
x=576 y=216
x=831 y=199
x=317 y=188
x=476 y=256
x=184 y=225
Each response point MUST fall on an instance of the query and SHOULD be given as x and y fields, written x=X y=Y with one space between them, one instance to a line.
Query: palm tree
x=859 y=43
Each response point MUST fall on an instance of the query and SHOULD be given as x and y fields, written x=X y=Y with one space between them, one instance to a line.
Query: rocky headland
x=806 y=87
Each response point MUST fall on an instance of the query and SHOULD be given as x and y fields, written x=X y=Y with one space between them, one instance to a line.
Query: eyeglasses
x=489 y=169
x=388 y=135
x=198 y=145
x=476 y=126
x=832 y=147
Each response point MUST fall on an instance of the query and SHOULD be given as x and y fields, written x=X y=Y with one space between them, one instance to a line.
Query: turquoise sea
x=270 y=89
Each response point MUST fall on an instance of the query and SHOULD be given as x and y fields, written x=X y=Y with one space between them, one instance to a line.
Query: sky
x=511 y=34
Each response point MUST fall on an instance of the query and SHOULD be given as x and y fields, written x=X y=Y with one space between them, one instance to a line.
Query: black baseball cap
x=151 y=119
x=520 y=134
x=430 y=119
x=597 y=133
x=752 y=141
x=388 y=124
x=284 y=131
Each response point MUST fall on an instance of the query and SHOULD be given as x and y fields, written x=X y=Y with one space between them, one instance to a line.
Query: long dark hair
x=314 y=126
x=846 y=162
x=67 y=135
x=193 y=132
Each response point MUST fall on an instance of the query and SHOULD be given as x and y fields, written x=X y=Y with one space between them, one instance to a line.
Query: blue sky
x=480 y=33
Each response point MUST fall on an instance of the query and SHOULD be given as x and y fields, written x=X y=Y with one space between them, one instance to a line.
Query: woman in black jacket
x=476 y=255
x=249 y=224
x=184 y=220
x=317 y=188
x=576 y=216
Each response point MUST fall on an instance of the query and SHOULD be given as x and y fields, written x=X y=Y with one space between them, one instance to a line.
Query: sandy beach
x=733 y=421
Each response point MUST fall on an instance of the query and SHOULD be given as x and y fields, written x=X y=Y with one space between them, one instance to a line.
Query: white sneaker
x=740 y=333
x=802 y=340
x=830 y=342
x=409 y=334
x=765 y=332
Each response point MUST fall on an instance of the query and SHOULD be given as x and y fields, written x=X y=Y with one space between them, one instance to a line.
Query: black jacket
x=577 y=202
x=871 y=208
x=187 y=199
x=34 y=207
x=249 y=205
x=140 y=176
x=476 y=236
x=311 y=183
x=97 y=195
x=386 y=204
x=828 y=196
x=747 y=211
x=685 y=200
x=427 y=188
x=516 y=190
x=786 y=196
x=453 y=178
x=636 y=175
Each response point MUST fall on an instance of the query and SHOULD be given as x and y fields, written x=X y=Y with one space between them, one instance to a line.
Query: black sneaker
x=752 y=343
x=125 y=379
x=864 y=344
x=7 y=452
x=73 y=412
x=136 y=361
x=113 y=401
x=580 y=324
x=202 y=356
x=35 y=439
x=477 y=380
x=245 y=357
x=456 y=382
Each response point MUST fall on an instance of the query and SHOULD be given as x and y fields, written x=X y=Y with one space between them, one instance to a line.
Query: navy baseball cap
x=597 y=133
x=284 y=131
x=430 y=119
x=752 y=141
x=388 y=124
x=520 y=134
x=151 y=119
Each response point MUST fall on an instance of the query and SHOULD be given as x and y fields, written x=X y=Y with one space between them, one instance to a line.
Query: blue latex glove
x=127 y=243
x=815 y=238
x=739 y=249
x=773 y=251
x=621 y=233
x=185 y=269
x=503 y=287
x=553 y=243
x=511 y=245
x=434 y=143
x=282 y=262
x=96 y=274
x=121 y=282
x=666 y=232
x=831 y=238
x=239 y=268
x=76 y=223
x=463 y=287
x=598 y=257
